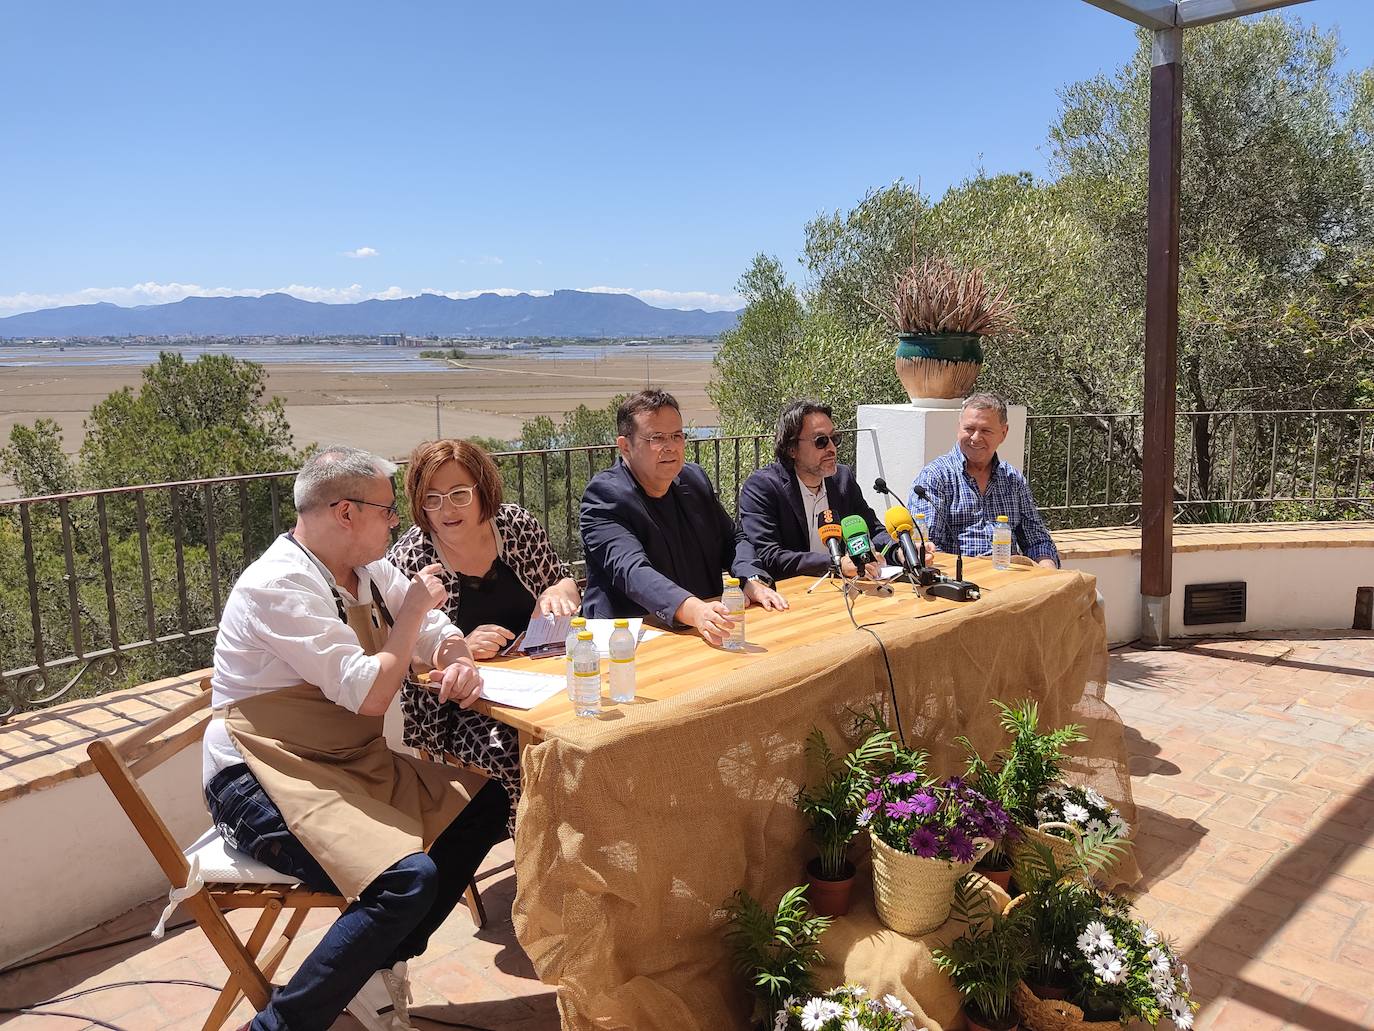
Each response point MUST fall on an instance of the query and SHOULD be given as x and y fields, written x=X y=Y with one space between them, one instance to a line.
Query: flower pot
x=977 y=1022
x=938 y=365
x=1037 y=1014
x=828 y=898
x=913 y=894
x=1001 y=878
x=1062 y=848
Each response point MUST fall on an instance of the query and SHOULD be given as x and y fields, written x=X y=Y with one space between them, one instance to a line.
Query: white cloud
x=682 y=299
x=362 y=252
x=486 y=259
x=165 y=293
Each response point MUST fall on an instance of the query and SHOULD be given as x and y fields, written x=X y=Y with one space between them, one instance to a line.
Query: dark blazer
x=625 y=548
x=773 y=518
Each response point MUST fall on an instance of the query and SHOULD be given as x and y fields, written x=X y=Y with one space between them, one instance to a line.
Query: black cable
x=891 y=681
x=33 y=1009
x=39 y=960
x=90 y=1021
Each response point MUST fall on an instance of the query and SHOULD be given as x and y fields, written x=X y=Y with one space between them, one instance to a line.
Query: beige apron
x=357 y=806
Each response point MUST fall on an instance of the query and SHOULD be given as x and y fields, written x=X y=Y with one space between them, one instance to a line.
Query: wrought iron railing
x=103 y=587
x=1232 y=466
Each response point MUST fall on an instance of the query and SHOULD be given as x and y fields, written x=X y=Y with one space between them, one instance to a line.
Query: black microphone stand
x=954 y=588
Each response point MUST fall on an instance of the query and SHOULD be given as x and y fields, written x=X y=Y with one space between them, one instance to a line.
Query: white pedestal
x=898 y=441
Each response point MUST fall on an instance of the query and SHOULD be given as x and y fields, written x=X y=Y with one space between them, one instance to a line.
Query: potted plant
x=846 y=1008
x=1059 y=901
x=941 y=312
x=988 y=960
x=774 y=949
x=926 y=835
x=1023 y=771
x=832 y=805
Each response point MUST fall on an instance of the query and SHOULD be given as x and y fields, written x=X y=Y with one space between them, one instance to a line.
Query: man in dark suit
x=779 y=504
x=656 y=536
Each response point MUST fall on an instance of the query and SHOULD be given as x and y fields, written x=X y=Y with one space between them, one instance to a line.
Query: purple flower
x=955 y=783
x=960 y=846
x=903 y=778
x=873 y=797
x=900 y=809
x=924 y=804
x=924 y=843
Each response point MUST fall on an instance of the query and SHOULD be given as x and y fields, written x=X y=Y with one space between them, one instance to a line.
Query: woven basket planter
x=1061 y=847
x=913 y=894
x=1036 y=1014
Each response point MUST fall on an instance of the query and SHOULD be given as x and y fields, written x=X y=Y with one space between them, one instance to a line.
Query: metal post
x=1161 y=336
x=438 y=429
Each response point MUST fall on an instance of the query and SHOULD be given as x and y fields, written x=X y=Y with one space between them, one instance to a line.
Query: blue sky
x=349 y=150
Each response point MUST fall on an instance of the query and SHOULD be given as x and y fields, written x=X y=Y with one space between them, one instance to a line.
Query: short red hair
x=425 y=462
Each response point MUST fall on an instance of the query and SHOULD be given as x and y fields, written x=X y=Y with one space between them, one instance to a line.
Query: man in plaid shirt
x=969 y=487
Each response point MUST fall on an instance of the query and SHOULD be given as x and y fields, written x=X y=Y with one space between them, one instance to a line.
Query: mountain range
x=564 y=313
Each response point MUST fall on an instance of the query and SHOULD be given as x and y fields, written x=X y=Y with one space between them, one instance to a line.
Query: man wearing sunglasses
x=779 y=506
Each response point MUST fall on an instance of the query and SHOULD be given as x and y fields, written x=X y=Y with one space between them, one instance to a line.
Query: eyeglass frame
x=393 y=510
x=678 y=439
x=833 y=437
x=424 y=499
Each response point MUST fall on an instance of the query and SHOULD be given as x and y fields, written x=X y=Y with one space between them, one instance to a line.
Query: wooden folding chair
x=122 y=762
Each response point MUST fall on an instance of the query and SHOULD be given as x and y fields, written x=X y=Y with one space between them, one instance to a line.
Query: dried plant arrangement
x=933 y=295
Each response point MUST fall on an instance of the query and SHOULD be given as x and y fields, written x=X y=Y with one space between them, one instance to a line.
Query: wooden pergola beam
x=1152 y=14
x=1192 y=13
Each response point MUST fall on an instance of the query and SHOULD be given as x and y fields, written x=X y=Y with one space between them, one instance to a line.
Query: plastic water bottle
x=1001 y=544
x=622 y=662
x=586 y=676
x=579 y=624
x=733 y=599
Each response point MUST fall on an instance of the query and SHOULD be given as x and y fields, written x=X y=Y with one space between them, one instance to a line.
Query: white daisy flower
x=858 y=991
x=1096 y=826
x=1109 y=968
x=1183 y=976
x=1181 y=1014
x=832 y=1009
x=895 y=1005
x=1094 y=798
x=1075 y=813
x=850 y=1025
x=1087 y=944
x=1149 y=935
x=780 y=1020
x=812 y=1015
x=1119 y=825
x=1044 y=816
x=1057 y=790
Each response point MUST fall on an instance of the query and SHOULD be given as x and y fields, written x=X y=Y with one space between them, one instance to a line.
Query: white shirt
x=813 y=504
x=281 y=627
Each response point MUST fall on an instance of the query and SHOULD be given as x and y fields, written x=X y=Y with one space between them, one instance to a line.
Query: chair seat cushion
x=219 y=862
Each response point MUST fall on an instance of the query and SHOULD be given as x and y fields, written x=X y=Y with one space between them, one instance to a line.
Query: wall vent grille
x=1214 y=603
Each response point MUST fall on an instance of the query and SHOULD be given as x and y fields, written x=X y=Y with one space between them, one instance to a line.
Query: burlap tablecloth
x=634 y=829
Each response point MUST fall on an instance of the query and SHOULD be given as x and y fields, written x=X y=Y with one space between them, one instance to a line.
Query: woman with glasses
x=499 y=569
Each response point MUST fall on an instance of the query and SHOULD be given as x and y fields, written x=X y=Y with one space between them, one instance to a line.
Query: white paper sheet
x=601 y=633
x=518 y=688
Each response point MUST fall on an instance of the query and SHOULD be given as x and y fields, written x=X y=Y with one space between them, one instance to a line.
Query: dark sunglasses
x=822 y=441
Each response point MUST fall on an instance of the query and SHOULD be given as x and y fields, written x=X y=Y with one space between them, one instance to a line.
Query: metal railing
x=123 y=585
x=1230 y=466
x=93 y=583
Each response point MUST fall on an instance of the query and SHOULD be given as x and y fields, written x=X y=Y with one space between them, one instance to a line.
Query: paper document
x=888 y=572
x=518 y=688
x=546 y=635
x=601 y=633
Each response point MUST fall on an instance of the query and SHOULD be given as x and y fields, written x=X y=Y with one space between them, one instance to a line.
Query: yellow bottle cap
x=1002 y=519
x=578 y=621
x=622 y=623
x=585 y=635
x=732 y=581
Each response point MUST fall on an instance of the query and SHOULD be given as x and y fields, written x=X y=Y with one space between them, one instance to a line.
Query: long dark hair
x=790 y=426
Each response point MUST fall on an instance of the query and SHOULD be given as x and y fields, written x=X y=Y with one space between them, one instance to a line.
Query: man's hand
x=460 y=682
x=1048 y=563
x=710 y=618
x=426 y=590
x=488 y=639
x=763 y=595
x=872 y=570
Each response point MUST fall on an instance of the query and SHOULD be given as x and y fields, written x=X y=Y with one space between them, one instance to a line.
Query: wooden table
x=675 y=662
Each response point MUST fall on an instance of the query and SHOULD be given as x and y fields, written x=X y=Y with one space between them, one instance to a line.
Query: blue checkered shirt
x=961 y=513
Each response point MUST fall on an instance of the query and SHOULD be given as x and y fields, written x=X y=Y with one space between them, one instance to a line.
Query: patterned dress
x=441 y=729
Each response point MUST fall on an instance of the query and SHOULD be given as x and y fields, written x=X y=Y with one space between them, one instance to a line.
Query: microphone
x=832 y=536
x=856 y=539
x=880 y=485
x=899 y=526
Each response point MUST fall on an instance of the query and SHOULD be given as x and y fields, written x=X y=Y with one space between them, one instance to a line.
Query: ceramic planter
x=938 y=365
x=829 y=898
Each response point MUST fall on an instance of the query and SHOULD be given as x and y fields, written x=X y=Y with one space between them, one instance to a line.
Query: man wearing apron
x=315 y=641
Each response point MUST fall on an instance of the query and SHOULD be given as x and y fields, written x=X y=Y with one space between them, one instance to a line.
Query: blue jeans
x=393 y=919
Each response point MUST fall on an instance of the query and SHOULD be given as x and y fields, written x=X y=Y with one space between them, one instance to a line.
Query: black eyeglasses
x=823 y=441
x=391 y=510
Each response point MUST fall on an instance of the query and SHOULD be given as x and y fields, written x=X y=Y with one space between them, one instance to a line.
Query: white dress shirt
x=813 y=504
x=281 y=627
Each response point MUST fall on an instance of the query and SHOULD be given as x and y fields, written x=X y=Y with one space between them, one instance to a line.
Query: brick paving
x=1253 y=769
